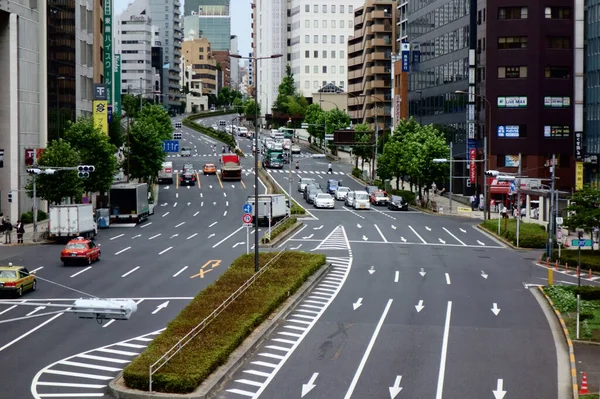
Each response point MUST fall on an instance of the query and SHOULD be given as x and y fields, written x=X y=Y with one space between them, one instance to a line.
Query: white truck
x=274 y=205
x=69 y=221
x=166 y=173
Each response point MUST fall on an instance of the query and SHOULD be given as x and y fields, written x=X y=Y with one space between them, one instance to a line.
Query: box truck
x=129 y=203
x=69 y=221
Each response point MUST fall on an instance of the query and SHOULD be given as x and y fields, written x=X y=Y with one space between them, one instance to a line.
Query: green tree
x=94 y=148
x=389 y=164
x=157 y=116
x=312 y=116
x=116 y=132
x=584 y=210
x=238 y=103
x=285 y=90
x=251 y=109
x=131 y=105
x=63 y=183
x=145 y=155
x=363 y=137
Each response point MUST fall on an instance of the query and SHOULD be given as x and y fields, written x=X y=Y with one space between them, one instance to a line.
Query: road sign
x=170 y=146
x=329 y=137
x=247 y=208
x=304 y=126
x=581 y=243
x=247 y=218
x=177 y=136
x=559 y=234
x=559 y=221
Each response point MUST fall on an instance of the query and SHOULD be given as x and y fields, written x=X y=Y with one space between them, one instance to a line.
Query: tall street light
x=486 y=147
x=255 y=63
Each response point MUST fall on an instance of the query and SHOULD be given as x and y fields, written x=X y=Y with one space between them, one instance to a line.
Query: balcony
x=380 y=84
x=379 y=70
x=355 y=101
x=358 y=20
x=354 y=48
x=376 y=28
x=380 y=14
x=380 y=56
x=381 y=41
x=356 y=87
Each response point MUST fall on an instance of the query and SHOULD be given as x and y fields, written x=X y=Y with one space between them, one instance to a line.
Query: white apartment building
x=234 y=64
x=318 y=35
x=134 y=42
x=84 y=57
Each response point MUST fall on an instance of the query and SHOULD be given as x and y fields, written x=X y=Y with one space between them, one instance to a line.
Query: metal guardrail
x=175 y=349
x=279 y=223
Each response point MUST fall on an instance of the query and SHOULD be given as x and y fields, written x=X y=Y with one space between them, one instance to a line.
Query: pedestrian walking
x=20 y=231
x=7 y=227
x=297 y=165
x=329 y=169
x=223 y=150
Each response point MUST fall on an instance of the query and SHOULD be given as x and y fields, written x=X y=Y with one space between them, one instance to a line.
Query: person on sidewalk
x=472 y=201
x=7 y=226
x=297 y=165
x=20 y=231
x=329 y=169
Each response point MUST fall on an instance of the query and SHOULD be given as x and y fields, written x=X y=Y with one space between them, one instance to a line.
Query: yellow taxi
x=80 y=250
x=16 y=279
x=209 y=169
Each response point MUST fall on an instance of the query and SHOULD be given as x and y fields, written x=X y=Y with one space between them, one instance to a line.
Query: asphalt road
x=195 y=233
x=425 y=303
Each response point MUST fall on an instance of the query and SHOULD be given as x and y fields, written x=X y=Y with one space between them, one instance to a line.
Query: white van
x=361 y=200
x=166 y=173
x=242 y=131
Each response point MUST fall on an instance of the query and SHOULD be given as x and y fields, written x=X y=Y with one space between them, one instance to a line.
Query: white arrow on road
x=318 y=228
x=215 y=203
x=372 y=270
x=485 y=276
x=395 y=389
x=189 y=203
x=403 y=239
x=463 y=230
x=428 y=228
x=298 y=247
x=165 y=204
x=495 y=309
x=419 y=306
x=442 y=241
x=480 y=243
x=210 y=186
x=393 y=227
x=499 y=392
x=357 y=304
x=422 y=272
x=139 y=235
x=161 y=306
x=359 y=226
x=36 y=310
x=306 y=388
x=174 y=235
x=365 y=238
x=232 y=186
x=238 y=243
x=166 y=187
x=308 y=237
x=188 y=187
x=212 y=235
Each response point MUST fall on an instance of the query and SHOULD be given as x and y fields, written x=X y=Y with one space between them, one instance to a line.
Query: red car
x=379 y=198
x=80 y=250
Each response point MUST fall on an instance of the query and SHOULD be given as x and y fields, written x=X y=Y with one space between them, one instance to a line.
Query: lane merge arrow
x=359 y=226
x=306 y=388
x=161 y=306
x=393 y=227
x=499 y=392
x=495 y=310
x=403 y=239
x=357 y=304
x=419 y=306
x=372 y=270
x=422 y=272
x=318 y=228
x=395 y=389
x=485 y=276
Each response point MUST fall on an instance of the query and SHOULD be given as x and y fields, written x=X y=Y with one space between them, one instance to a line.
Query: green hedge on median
x=531 y=235
x=212 y=347
x=223 y=137
x=279 y=229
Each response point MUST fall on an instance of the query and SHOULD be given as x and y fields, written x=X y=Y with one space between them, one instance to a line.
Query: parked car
x=379 y=198
x=324 y=200
x=341 y=193
x=397 y=203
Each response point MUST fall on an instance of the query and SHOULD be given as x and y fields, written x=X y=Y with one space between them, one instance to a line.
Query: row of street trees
x=138 y=150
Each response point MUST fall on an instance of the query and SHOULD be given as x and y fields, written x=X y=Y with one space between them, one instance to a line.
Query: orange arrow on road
x=212 y=263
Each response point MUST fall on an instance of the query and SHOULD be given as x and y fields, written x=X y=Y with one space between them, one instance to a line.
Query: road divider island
x=220 y=329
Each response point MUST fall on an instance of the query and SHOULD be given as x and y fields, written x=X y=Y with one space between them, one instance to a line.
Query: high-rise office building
x=194 y=5
x=592 y=93
x=212 y=22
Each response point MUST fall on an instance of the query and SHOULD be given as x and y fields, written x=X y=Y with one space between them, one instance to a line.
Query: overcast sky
x=240 y=21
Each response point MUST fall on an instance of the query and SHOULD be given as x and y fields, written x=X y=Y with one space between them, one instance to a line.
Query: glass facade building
x=592 y=88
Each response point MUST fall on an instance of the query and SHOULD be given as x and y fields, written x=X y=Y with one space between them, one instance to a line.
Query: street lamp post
x=255 y=61
x=376 y=149
x=486 y=147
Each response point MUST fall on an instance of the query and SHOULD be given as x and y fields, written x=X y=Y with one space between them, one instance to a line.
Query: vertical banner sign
x=473 y=165
x=108 y=52
x=405 y=57
x=579 y=146
x=117 y=86
x=579 y=176
x=397 y=105
x=101 y=115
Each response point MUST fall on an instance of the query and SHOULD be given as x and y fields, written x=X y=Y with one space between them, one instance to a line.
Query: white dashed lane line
x=123 y=250
x=115 y=237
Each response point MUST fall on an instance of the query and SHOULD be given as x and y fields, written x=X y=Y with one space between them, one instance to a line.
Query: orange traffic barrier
x=584 y=386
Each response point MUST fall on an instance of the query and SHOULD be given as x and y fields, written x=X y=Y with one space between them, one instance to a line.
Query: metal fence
x=175 y=349
x=273 y=227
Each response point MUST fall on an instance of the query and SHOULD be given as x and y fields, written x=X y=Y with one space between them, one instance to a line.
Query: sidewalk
x=28 y=239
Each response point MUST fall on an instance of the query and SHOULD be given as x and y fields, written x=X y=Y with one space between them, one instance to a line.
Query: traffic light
x=34 y=171
x=580 y=235
x=10 y=196
x=84 y=170
x=492 y=173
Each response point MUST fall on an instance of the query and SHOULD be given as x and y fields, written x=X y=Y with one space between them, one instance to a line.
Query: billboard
x=29 y=155
x=579 y=176
x=117 y=86
x=100 y=108
x=108 y=52
x=473 y=165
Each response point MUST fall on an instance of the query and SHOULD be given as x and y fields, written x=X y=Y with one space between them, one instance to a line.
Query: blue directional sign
x=170 y=146
x=513 y=187
x=247 y=208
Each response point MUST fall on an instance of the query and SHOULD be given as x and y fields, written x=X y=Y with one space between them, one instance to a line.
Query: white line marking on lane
x=174 y=205
x=353 y=212
x=224 y=213
x=197 y=212
x=81 y=271
x=448 y=279
x=153 y=237
x=123 y=250
x=226 y=203
x=165 y=250
x=229 y=236
x=396 y=276
x=165 y=214
x=212 y=224
x=108 y=323
x=38 y=269
x=368 y=351
x=440 y=384
x=417 y=234
x=380 y=233
x=71 y=385
x=14 y=341
x=180 y=271
x=145 y=225
x=453 y=236
x=180 y=224
x=192 y=236
x=131 y=271
x=115 y=237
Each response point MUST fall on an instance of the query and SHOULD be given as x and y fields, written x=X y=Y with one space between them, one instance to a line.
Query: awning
x=502 y=187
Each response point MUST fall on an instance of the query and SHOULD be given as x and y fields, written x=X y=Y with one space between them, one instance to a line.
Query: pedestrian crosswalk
x=303 y=172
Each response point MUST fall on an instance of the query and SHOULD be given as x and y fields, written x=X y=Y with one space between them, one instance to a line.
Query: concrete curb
x=569 y=344
x=213 y=383
x=272 y=183
x=283 y=236
x=502 y=240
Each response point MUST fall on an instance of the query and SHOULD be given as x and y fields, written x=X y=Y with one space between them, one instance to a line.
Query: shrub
x=212 y=347
x=587 y=292
x=564 y=300
x=223 y=137
x=27 y=217
x=356 y=172
x=589 y=259
x=531 y=235
x=379 y=183
x=288 y=223
x=297 y=209
x=409 y=196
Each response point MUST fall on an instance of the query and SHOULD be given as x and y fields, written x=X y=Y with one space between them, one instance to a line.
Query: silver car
x=313 y=194
x=303 y=182
x=186 y=152
x=341 y=193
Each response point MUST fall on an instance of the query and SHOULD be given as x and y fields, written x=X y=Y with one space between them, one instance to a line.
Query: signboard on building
x=99 y=92
x=557 y=102
x=508 y=131
x=100 y=111
x=117 y=86
x=473 y=165
x=29 y=154
x=579 y=176
x=405 y=53
x=557 y=131
x=512 y=102
x=511 y=161
x=578 y=146
x=397 y=104
x=108 y=52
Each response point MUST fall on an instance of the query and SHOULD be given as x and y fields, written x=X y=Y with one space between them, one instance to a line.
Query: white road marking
x=229 y=236
x=225 y=213
x=226 y=203
x=115 y=237
x=108 y=323
x=453 y=236
x=20 y=337
x=417 y=234
x=174 y=205
x=180 y=271
x=448 y=279
x=238 y=243
x=196 y=214
x=145 y=225
x=131 y=271
x=153 y=237
x=212 y=224
x=165 y=250
x=396 y=276
x=81 y=271
x=428 y=228
x=165 y=214
x=192 y=236
x=380 y=233
x=440 y=384
x=71 y=385
x=123 y=250
x=180 y=224
x=38 y=269
x=224 y=194
x=176 y=195
x=353 y=212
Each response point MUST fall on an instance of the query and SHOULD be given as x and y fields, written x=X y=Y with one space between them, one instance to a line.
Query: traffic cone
x=584 y=387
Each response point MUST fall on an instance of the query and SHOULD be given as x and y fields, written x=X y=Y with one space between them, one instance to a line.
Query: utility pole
x=551 y=227
x=35 y=200
x=451 y=178
x=486 y=205
x=375 y=149
x=518 y=184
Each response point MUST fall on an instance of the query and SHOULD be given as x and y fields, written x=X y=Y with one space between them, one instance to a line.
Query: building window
x=512 y=42
x=332 y=53
x=324 y=23
x=342 y=54
x=333 y=8
x=201 y=57
x=307 y=39
x=315 y=8
x=324 y=69
x=315 y=69
x=315 y=24
x=315 y=84
x=201 y=49
x=307 y=84
x=558 y=42
x=342 y=39
x=557 y=12
x=342 y=84
x=512 y=72
x=324 y=40
x=307 y=23
x=332 y=39
x=512 y=13
x=341 y=24
x=324 y=8
x=316 y=39
x=307 y=69
x=341 y=69
x=333 y=69
x=350 y=9
x=557 y=73
x=324 y=53
x=341 y=8
x=315 y=54
x=306 y=53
